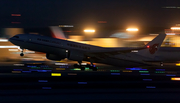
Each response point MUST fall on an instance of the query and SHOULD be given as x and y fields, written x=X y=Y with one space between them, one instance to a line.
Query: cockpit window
x=16 y=36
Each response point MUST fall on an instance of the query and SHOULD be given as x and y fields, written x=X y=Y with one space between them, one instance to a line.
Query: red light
x=15 y=14
x=148 y=46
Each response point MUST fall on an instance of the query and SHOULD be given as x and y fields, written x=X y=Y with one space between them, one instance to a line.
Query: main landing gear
x=85 y=66
x=22 y=54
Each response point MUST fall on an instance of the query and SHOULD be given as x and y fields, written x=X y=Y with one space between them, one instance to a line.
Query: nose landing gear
x=22 y=54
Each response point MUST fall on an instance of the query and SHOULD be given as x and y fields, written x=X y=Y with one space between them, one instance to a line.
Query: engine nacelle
x=75 y=55
x=55 y=57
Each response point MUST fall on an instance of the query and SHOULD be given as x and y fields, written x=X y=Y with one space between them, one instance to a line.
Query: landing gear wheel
x=21 y=54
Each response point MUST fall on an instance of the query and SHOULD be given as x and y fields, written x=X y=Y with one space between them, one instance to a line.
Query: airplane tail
x=57 y=32
x=152 y=47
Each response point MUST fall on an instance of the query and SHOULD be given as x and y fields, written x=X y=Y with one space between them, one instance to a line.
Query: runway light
x=178 y=64
x=132 y=29
x=115 y=73
x=16 y=71
x=55 y=74
x=147 y=79
x=177 y=78
x=150 y=87
x=143 y=71
x=60 y=68
x=127 y=71
x=91 y=31
x=171 y=75
x=82 y=82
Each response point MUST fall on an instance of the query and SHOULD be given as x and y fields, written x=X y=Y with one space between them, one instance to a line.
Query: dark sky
x=83 y=12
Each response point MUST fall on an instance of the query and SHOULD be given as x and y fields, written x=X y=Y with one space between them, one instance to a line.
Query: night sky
x=88 y=12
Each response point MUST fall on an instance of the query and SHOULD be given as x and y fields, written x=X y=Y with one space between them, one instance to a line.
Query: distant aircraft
x=58 y=49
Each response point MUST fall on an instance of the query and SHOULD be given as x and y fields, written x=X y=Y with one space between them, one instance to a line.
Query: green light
x=47 y=68
x=114 y=70
x=75 y=69
x=143 y=71
x=159 y=71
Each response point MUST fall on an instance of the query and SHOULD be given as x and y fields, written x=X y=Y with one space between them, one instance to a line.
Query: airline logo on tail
x=153 y=48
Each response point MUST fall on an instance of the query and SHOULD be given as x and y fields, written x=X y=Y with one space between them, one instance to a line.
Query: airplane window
x=16 y=36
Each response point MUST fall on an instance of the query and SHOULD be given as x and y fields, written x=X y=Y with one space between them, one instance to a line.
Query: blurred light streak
x=46 y=88
x=170 y=34
x=160 y=69
x=171 y=72
x=61 y=63
x=47 y=68
x=15 y=14
x=60 y=68
x=66 y=26
x=134 y=51
x=175 y=28
x=177 y=78
x=114 y=70
x=145 y=74
x=115 y=73
x=132 y=29
x=26 y=71
x=171 y=75
x=135 y=69
x=44 y=70
x=143 y=71
x=42 y=81
x=16 y=71
x=55 y=74
x=76 y=69
x=127 y=71
x=150 y=87
x=82 y=82
x=147 y=79
x=9 y=46
x=13 y=49
x=178 y=64
x=3 y=40
x=92 y=31
x=72 y=73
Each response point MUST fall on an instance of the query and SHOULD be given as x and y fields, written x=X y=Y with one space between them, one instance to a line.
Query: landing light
x=92 y=31
x=132 y=29
x=148 y=46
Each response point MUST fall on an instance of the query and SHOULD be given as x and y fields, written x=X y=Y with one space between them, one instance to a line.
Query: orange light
x=177 y=78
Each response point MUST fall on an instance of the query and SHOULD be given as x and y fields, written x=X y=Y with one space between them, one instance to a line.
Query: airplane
x=58 y=49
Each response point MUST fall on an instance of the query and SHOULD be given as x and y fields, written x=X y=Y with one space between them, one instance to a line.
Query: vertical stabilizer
x=57 y=32
x=152 y=47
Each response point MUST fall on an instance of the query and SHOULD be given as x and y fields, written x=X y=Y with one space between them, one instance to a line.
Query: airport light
x=89 y=30
x=175 y=28
x=132 y=29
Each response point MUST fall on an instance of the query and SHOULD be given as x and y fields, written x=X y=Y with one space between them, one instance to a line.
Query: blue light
x=46 y=88
x=44 y=70
x=32 y=69
x=160 y=69
x=26 y=71
x=43 y=81
x=150 y=87
x=115 y=73
x=31 y=66
x=145 y=74
x=82 y=82
x=135 y=69
x=170 y=75
x=147 y=79
x=17 y=69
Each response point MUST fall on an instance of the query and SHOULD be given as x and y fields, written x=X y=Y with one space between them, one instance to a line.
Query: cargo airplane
x=58 y=49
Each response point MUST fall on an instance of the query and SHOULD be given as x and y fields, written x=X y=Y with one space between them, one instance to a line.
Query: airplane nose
x=10 y=39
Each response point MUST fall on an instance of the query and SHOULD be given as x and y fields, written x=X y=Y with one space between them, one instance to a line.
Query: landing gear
x=161 y=64
x=22 y=54
x=92 y=67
